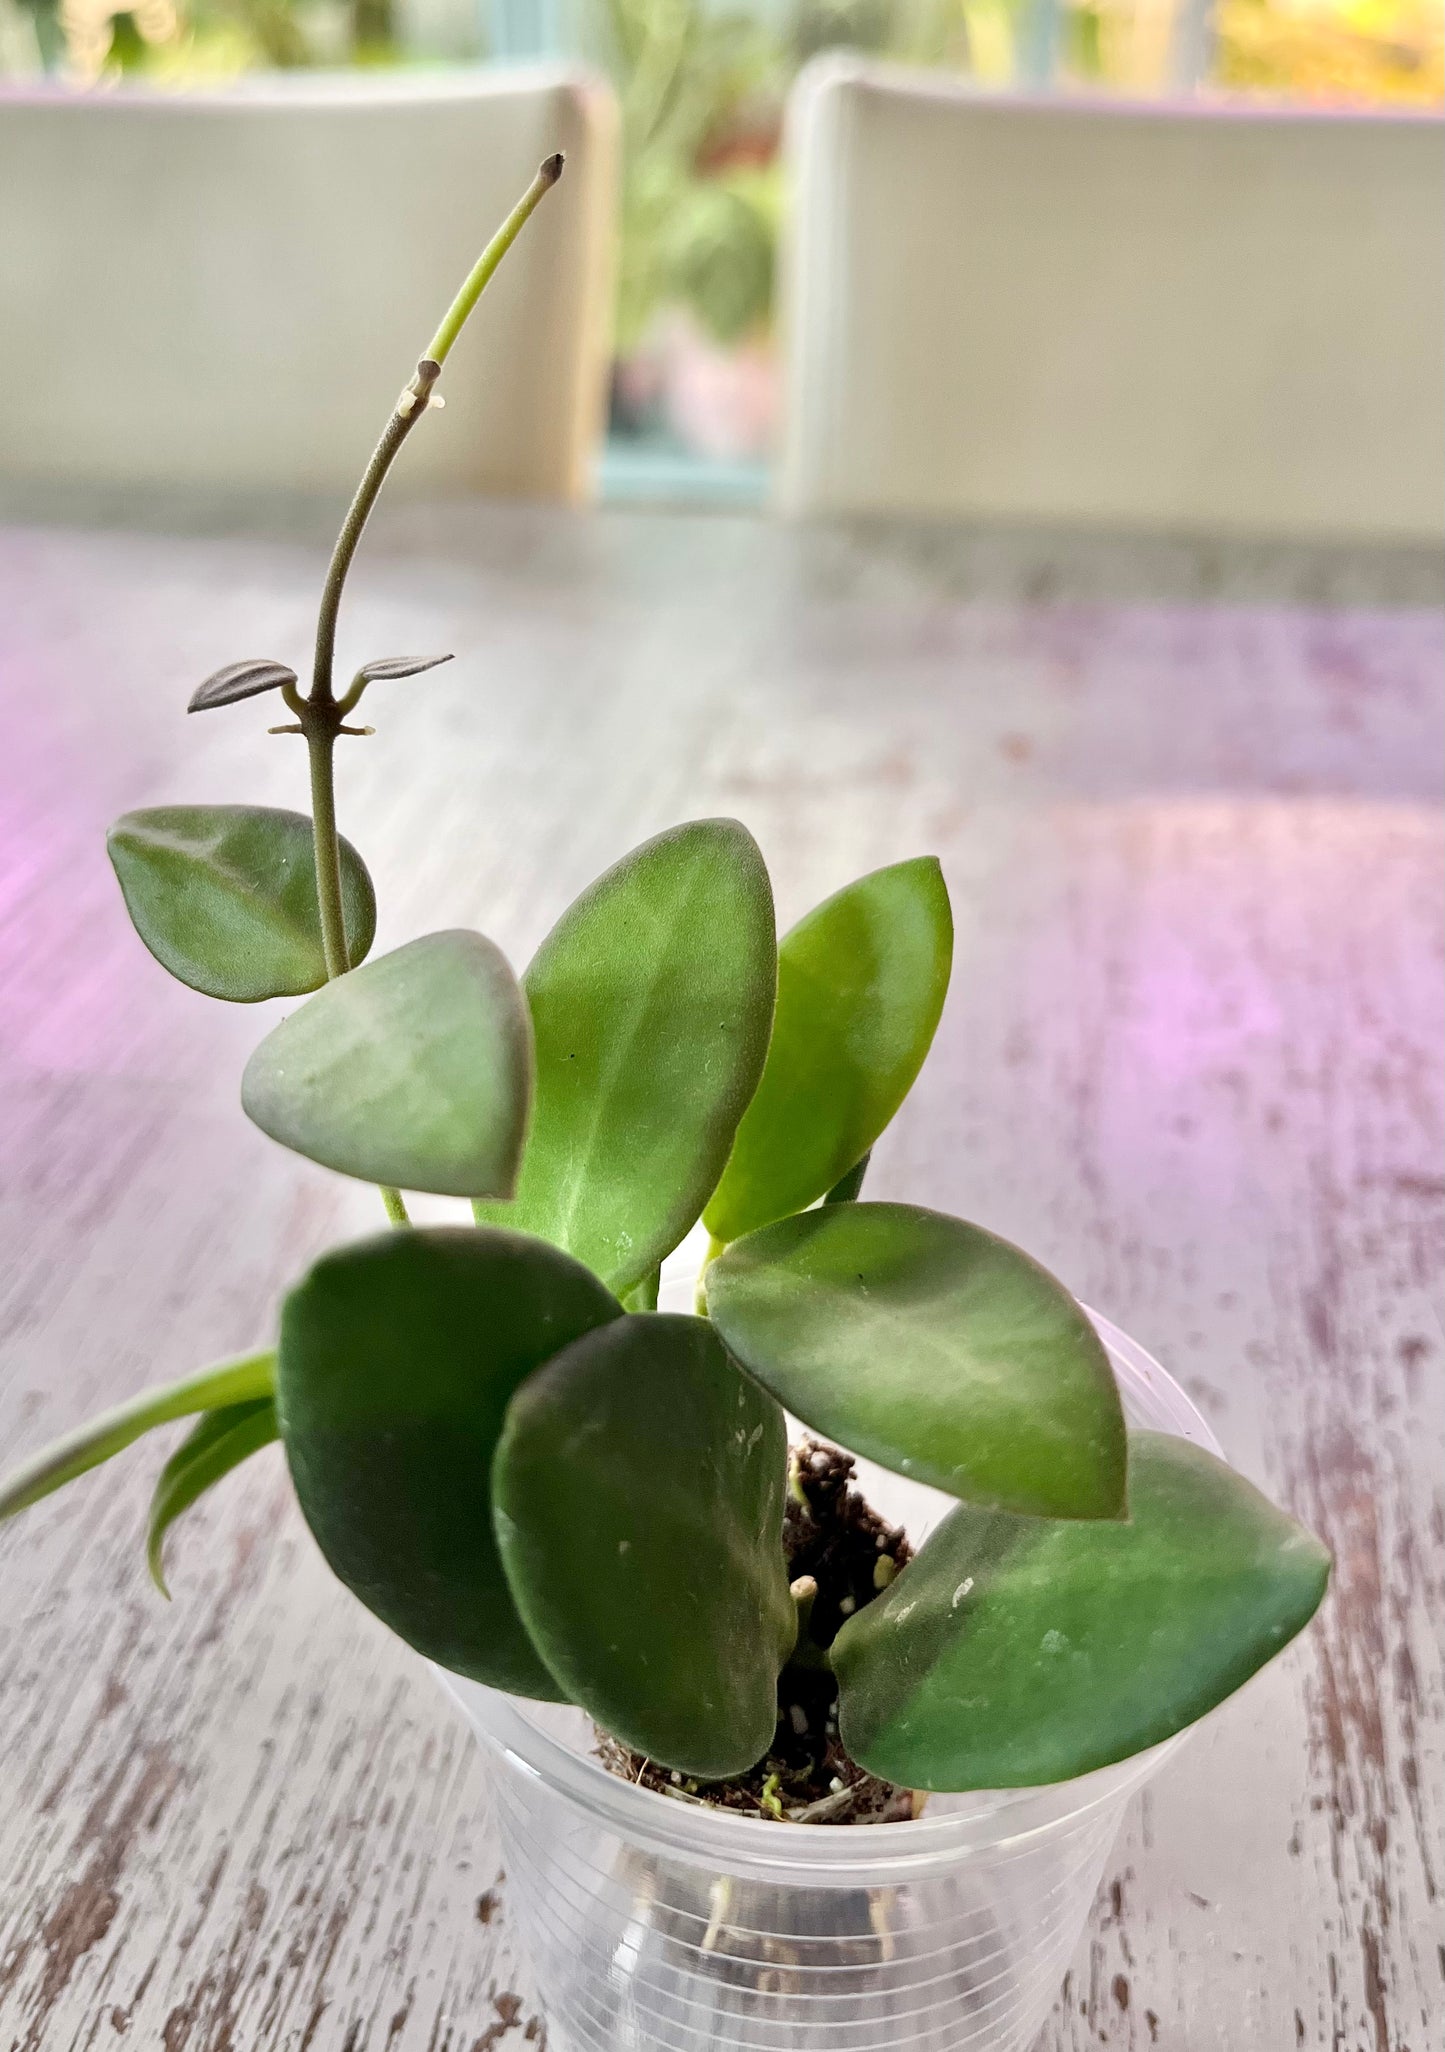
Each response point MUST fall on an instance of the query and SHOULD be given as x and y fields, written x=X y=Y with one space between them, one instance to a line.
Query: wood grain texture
x=1188 y=803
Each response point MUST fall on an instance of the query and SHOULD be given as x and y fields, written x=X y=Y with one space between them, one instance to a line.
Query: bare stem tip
x=551 y=167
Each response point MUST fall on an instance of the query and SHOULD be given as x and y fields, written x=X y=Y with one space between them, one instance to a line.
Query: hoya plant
x=542 y=1482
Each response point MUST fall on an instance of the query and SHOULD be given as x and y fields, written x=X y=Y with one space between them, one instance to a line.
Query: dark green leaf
x=930 y=1346
x=414 y=1071
x=218 y=1443
x=398 y=1359
x=651 y=1000
x=861 y=984
x=240 y=680
x=848 y=1189
x=225 y=897
x=230 y=1382
x=639 y=1510
x=399 y=666
x=1014 y=1651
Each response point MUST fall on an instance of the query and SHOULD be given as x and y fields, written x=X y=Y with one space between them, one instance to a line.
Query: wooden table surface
x=1188 y=804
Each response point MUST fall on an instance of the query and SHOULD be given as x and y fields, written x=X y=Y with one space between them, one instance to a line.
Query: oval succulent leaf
x=224 y=896
x=220 y=1441
x=651 y=1000
x=638 y=1488
x=398 y=1358
x=1014 y=1651
x=399 y=666
x=861 y=984
x=413 y=1071
x=933 y=1347
x=245 y=679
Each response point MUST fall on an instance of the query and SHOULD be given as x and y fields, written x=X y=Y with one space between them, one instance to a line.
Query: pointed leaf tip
x=861 y=984
x=932 y=1346
x=253 y=674
x=399 y=666
x=651 y=999
x=1018 y=1651
x=414 y=1071
x=220 y=1441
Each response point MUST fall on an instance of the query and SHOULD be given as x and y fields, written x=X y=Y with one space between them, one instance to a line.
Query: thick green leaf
x=638 y=1488
x=220 y=1441
x=224 y=896
x=651 y=1000
x=230 y=1382
x=398 y=1359
x=414 y=1071
x=1014 y=1651
x=930 y=1346
x=861 y=984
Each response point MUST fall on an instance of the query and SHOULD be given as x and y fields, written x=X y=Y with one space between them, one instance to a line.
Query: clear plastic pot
x=652 y=1923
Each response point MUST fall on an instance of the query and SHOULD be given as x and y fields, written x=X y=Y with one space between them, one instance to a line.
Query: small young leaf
x=247 y=1379
x=240 y=680
x=219 y=1442
x=414 y=1071
x=1015 y=1651
x=861 y=984
x=651 y=999
x=399 y=666
x=224 y=896
x=398 y=1358
x=930 y=1346
x=638 y=1490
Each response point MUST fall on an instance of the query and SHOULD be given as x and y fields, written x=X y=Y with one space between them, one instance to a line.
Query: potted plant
x=705 y=1662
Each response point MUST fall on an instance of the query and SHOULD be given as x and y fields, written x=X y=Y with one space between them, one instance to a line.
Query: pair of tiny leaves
x=567 y=1501
x=255 y=674
x=224 y=896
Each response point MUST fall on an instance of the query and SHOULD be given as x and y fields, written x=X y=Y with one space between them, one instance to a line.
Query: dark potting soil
x=833 y=1537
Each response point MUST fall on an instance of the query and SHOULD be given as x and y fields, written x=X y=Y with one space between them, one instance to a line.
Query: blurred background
x=701 y=86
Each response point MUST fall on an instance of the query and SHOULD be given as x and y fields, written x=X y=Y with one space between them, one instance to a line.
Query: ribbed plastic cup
x=653 y=1923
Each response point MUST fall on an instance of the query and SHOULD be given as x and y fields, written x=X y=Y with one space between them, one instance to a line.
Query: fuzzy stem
x=321 y=743
x=320 y=714
x=408 y=411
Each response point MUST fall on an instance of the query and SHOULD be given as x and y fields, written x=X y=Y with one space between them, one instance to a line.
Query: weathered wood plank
x=1188 y=804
